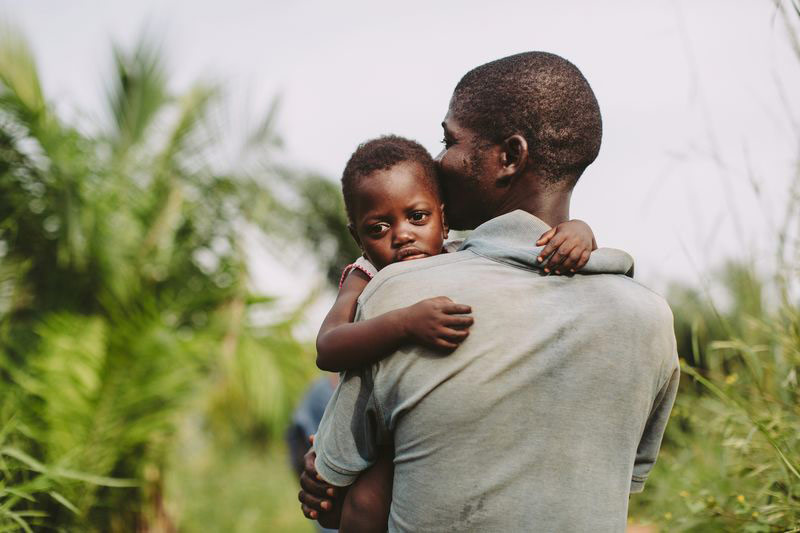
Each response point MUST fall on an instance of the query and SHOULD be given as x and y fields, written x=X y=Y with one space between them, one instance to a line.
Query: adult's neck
x=547 y=202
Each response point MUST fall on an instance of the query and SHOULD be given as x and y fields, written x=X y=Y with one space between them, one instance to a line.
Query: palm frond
x=137 y=94
x=22 y=90
x=265 y=134
x=124 y=293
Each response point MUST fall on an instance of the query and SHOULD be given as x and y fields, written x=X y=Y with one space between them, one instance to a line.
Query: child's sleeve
x=363 y=264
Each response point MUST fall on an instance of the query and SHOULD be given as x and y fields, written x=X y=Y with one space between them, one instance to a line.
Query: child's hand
x=568 y=246
x=436 y=323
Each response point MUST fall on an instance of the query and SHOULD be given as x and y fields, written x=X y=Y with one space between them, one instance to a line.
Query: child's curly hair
x=382 y=154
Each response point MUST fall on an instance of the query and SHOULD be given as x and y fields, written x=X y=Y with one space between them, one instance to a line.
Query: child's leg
x=366 y=505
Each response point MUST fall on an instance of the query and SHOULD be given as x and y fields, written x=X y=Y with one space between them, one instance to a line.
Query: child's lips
x=407 y=254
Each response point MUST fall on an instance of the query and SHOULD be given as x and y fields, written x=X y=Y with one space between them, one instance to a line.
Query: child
x=393 y=202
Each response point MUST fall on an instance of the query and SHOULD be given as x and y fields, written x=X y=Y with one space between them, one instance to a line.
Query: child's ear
x=445 y=227
x=354 y=235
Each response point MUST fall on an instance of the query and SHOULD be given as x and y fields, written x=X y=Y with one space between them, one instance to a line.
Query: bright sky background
x=699 y=98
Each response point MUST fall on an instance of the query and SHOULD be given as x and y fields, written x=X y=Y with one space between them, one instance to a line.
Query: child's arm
x=343 y=344
x=568 y=246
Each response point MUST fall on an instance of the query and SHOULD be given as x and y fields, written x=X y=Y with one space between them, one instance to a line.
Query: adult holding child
x=552 y=411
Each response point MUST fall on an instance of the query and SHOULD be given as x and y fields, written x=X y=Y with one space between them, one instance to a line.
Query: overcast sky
x=690 y=93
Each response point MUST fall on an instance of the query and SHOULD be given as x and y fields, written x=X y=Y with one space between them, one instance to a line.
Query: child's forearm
x=355 y=344
x=342 y=344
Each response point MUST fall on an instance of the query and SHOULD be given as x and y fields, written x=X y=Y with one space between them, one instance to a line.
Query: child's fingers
x=453 y=335
x=443 y=344
x=572 y=259
x=546 y=236
x=551 y=247
x=458 y=321
x=558 y=256
x=562 y=263
x=456 y=309
x=583 y=260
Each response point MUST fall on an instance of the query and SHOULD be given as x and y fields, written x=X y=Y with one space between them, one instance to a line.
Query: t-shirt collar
x=511 y=238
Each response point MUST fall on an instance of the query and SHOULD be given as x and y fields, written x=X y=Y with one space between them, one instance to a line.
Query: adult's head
x=519 y=133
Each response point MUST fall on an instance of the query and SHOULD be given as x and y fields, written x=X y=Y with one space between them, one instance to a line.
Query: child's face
x=397 y=216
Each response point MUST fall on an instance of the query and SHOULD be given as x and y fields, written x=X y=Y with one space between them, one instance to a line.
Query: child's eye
x=419 y=216
x=377 y=229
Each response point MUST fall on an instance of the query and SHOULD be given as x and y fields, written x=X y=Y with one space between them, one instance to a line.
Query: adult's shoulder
x=650 y=314
x=418 y=273
x=651 y=298
x=639 y=298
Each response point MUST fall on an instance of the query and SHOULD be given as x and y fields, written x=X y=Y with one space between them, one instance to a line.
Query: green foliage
x=730 y=460
x=124 y=296
x=322 y=222
x=27 y=485
x=731 y=456
x=241 y=491
x=257 y=385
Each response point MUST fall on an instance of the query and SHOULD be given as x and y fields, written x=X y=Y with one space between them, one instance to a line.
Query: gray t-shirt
x=546 y=417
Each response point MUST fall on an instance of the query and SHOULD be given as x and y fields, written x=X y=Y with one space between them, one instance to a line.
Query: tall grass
x=731 y=456
x=730 y=460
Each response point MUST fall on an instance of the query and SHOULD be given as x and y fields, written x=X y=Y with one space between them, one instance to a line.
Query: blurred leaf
x=137 y=94
x=19 y=76
x=124 y=294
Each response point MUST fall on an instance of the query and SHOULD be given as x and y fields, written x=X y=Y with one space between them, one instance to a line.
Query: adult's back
x=544 y=419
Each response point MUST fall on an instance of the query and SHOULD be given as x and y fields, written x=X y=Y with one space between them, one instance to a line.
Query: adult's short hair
x=382 y=154
x=542 y=97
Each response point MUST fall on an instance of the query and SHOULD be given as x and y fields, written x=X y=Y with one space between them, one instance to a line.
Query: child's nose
x=404 y=235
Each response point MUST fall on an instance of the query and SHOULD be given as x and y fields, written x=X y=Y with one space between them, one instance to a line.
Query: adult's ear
x=354 y=234
x=513 y=159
